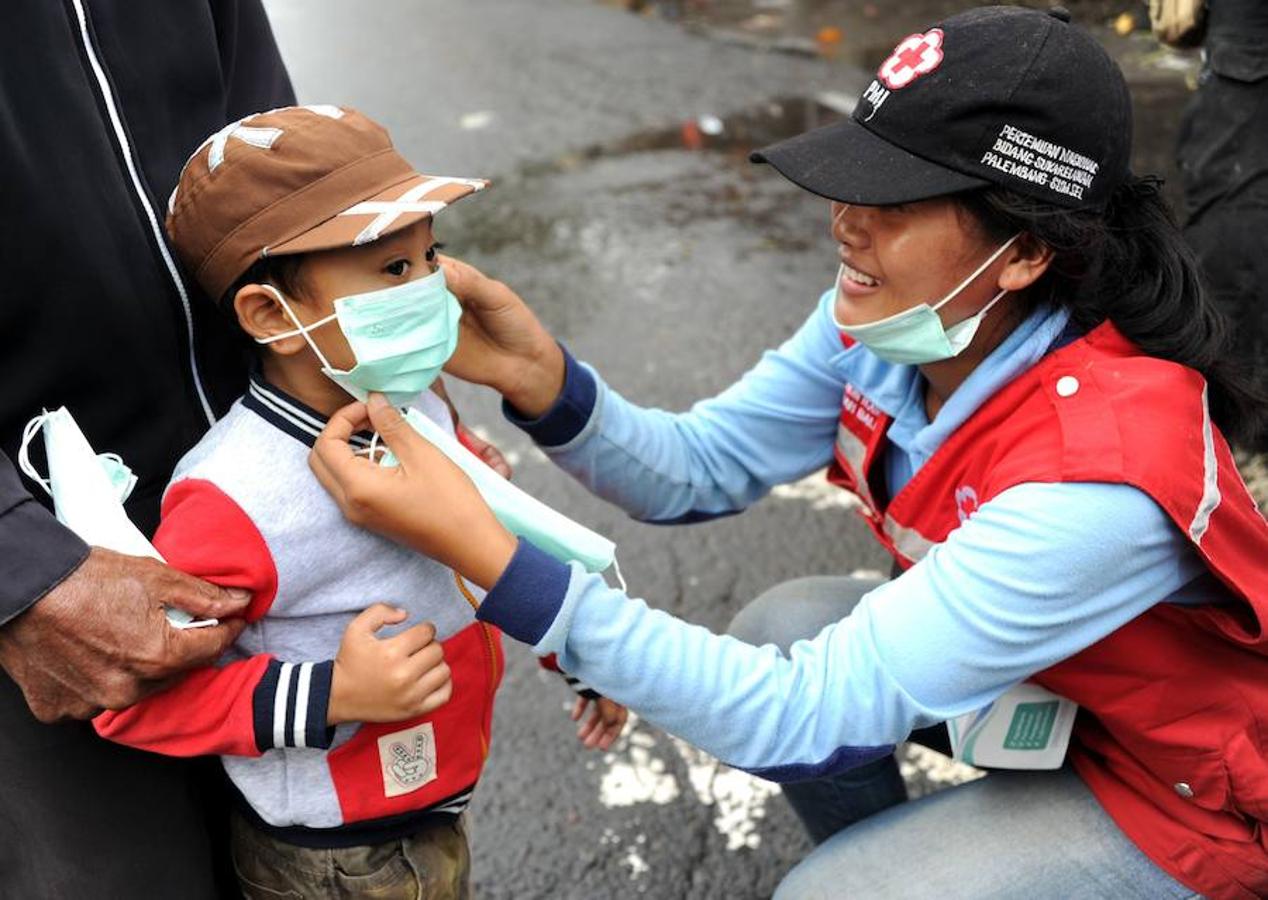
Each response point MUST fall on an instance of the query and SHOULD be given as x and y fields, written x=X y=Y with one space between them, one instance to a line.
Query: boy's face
x=327 y=275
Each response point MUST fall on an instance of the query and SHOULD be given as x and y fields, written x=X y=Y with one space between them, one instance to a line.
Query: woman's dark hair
x=1127 y=262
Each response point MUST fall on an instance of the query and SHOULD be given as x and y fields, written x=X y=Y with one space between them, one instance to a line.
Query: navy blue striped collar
x=292 y=416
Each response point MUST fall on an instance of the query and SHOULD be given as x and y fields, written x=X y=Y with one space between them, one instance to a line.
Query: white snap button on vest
x=1184 y=790
x=1067 y=386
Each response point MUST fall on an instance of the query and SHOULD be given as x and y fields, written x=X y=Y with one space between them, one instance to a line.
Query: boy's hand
x=390 y=679
x=490 y=454
x=605 y=724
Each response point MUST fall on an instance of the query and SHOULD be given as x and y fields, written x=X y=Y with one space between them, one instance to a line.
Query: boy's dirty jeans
x=1037 y=835
x=432 y=864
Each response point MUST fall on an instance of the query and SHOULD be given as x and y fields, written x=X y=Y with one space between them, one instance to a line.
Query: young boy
x=353 y=753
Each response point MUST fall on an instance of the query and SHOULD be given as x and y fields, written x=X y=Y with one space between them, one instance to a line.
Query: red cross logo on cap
x=915 y=55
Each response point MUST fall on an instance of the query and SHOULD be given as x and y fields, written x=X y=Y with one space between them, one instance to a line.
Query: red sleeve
x=550 y=662
x=241 y=709
x=245 y=707
x=204 y=713
x=204 y=532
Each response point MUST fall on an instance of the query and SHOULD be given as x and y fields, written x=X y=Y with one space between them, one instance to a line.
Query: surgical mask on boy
x=916 y=336
x=401 y=337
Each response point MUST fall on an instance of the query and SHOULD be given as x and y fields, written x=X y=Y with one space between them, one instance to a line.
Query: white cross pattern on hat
x=263 y=138
x=915 y=55
x=387 y=211
x=256 y=137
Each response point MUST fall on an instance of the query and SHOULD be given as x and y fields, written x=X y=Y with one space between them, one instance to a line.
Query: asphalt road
x=669 y=269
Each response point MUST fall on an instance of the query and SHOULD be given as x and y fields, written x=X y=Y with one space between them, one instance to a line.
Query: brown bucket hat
x=295 y=180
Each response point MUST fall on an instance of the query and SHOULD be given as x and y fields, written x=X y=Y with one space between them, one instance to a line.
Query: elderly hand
x=501 y=343
x=100 y=639
x=426 y=502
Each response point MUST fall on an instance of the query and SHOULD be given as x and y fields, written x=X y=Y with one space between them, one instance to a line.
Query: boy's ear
x=261 y=316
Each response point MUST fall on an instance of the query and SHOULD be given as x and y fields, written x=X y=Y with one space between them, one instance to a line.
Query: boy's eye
x=433 y=250
x=397 y=267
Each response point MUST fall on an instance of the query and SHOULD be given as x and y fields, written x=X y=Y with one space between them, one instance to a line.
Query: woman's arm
x=775 y=425
x=1035 y=575
x=1021 y=586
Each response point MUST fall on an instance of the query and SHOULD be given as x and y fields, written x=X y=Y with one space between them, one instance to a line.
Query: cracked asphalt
x=669 y=269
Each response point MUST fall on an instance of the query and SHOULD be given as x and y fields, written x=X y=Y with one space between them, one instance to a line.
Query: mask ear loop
x=24 y=454
x=987 y=308
x=976 y=272
x=300 y=329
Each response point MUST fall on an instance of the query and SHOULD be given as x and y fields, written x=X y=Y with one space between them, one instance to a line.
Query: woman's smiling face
x=897 y=257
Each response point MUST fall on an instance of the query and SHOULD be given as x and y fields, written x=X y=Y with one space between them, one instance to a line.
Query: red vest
x=1172 y=736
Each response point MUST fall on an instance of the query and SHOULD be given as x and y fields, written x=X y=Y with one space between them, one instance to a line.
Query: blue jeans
x=1036 y=835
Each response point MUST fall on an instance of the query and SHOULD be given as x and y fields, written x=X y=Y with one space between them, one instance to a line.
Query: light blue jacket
x=1035 y=575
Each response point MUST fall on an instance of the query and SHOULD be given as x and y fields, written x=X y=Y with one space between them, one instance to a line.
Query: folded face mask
x=520 y=513
x=88 y=491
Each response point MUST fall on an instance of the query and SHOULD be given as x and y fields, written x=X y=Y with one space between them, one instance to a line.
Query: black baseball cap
x=998 y=95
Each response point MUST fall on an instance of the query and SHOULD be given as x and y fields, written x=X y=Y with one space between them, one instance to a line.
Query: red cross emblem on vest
x=915 y=55
x=965 y=502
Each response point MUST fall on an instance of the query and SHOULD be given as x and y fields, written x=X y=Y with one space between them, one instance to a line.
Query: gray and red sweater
x=244 y=510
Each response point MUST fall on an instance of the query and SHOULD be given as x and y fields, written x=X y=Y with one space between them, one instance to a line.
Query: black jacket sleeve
x=36 y=551
x=255 y=79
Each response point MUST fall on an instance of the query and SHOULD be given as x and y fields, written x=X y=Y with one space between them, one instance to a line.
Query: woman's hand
x=501 y=343
x=426 y=502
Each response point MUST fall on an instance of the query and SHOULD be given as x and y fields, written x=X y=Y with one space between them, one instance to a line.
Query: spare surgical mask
x=401 y=337
x=88 y=490
x=916 y=336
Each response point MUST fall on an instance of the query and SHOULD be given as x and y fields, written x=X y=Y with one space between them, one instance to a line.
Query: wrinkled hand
x=100 y=639
x=426 y=502
x=605 y=723
x=501 y=343
x=387 y=679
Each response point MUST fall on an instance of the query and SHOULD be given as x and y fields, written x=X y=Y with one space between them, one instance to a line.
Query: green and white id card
x=1027 y=728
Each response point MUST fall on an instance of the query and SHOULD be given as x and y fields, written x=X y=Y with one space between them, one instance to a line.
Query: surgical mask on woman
x=401 y=337
x=916 y=336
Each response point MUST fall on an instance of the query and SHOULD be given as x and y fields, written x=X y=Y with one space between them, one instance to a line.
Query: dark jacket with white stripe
x=244 y=510
x=100 y=104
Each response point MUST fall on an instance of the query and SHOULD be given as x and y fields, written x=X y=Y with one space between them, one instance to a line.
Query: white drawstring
x=616 y=570
x=372 y=451
x=24 y=453
x=300 y=328
x=976 y=272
